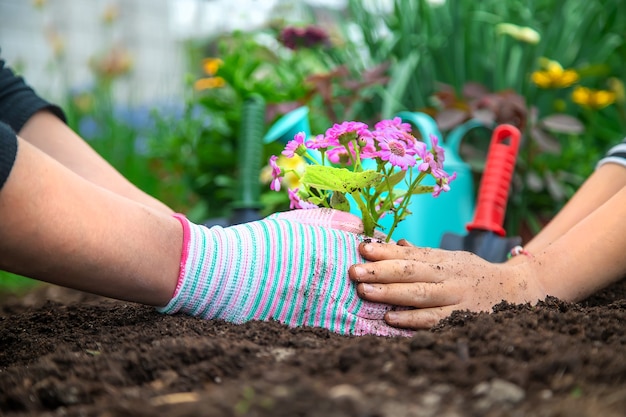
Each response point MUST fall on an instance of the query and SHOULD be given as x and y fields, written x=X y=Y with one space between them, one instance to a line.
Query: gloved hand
x=291 y=267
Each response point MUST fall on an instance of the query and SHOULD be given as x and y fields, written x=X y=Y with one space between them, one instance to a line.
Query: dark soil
x=67 y=353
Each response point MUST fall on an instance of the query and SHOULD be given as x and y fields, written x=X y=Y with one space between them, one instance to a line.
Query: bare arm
x=579 y=254
x=603 y=184
x=58 y=227
x=46 y=132
x=587 y=257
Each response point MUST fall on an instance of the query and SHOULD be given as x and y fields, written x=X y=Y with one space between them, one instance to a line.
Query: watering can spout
x=285 y=128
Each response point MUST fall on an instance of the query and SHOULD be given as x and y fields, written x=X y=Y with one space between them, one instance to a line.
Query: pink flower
x=276 y=174
x=395 y=123
x=292 y=146
x=346 y=131
x=321 y=142
x=369 y=151
x=437 y=150
x=443 y=182
x=428 y=162
x=339 y=154
x=397 y=153
x=295 y=202
x=420 y=149
x=431 y=159
x=396 y=204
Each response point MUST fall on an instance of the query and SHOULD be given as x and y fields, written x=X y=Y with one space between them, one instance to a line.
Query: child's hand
x=435 y=282
x=291 y=267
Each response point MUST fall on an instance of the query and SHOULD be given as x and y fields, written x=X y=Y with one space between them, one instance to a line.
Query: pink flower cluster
x=349 y=143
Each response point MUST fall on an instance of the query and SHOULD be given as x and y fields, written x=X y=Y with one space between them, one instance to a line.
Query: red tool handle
x=493 y=192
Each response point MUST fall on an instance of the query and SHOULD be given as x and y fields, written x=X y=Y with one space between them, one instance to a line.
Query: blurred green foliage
x=452 y=59
x=203 y=142
x=485 y=52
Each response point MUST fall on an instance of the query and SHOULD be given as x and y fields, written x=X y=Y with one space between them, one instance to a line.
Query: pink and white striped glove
x=291 y=267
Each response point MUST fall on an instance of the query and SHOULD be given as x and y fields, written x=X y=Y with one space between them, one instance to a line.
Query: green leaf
x=391 y=182
x=315 y=200
x=339 y=179
x=423 y=189
x=400 y=78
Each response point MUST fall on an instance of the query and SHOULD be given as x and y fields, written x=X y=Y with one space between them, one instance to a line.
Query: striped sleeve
x=615 y=155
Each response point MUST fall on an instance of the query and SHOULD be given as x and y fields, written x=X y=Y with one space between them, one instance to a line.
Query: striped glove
x=291 y=267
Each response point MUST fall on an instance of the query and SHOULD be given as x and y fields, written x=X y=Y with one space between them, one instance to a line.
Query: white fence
x=52 y=41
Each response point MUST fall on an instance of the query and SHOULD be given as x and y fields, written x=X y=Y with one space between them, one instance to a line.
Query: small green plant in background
x=287 y=67
x=202 y=143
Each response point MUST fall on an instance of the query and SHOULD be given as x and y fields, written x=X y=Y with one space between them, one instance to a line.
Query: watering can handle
x=453 y=139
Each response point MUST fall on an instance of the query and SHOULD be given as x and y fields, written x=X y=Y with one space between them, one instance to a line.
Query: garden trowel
x=487 y=237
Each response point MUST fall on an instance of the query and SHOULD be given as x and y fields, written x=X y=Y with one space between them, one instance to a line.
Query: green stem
x=368 y=223
x=308 y=157
x=397 y=214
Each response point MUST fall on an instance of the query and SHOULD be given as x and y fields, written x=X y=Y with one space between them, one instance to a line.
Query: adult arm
x=49 y=134
x=59 y=227
x=43 y=125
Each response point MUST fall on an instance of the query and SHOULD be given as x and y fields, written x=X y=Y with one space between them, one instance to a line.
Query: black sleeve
x=616 y=155
x=18 y=101
x=8 y=151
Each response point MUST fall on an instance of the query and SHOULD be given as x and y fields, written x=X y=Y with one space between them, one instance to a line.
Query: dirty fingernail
x=368 y=288
x=367 y=248
x=359 y=271
x=392 y=316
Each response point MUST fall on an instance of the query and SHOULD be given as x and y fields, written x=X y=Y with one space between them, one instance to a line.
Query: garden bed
x=83 y=355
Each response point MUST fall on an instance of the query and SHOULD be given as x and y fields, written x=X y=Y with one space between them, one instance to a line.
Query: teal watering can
x=285 y=128
x=431 y=216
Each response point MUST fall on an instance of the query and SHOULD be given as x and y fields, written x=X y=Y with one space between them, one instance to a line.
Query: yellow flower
x=524 y=34
x=211 y=65
x=553 y=75
x=208 y=83
x=593 y=99
x=291 y=180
